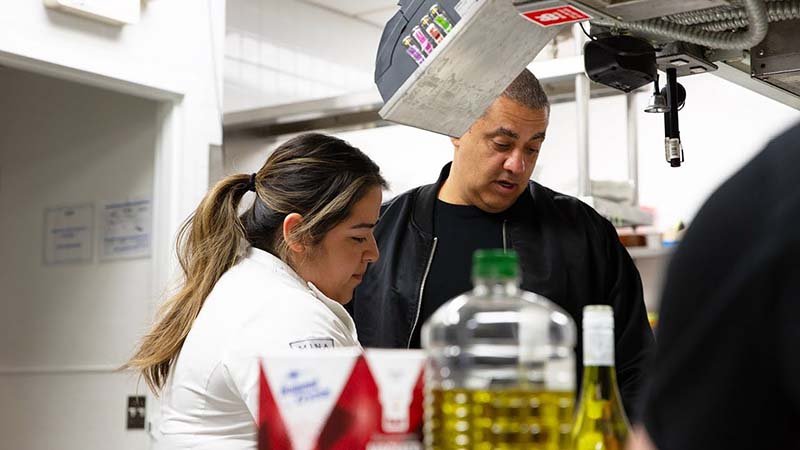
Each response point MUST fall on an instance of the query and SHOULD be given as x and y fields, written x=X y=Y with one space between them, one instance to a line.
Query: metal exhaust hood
x=490 y=44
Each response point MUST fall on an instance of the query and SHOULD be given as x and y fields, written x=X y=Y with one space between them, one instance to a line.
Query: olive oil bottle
x=500 y=373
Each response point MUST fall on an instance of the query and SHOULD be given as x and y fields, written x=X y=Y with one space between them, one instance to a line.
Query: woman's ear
x=290 y=223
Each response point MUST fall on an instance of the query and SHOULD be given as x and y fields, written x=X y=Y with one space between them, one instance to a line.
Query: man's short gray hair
x=527 y=91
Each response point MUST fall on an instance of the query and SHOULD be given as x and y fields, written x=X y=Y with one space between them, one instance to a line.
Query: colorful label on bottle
x=418 y=57
x=413 y=51
x=598 y=346
x=444 y=23
x=441 y=19
x=433 y=32
x=419 y=36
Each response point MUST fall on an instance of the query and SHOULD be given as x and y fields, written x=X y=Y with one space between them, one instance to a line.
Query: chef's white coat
x=260 y=305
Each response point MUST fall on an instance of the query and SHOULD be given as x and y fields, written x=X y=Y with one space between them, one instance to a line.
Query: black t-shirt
x=460 y=230
x=726 y=371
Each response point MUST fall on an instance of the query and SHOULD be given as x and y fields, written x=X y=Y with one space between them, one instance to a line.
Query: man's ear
x=290 y=223
x=456 y=142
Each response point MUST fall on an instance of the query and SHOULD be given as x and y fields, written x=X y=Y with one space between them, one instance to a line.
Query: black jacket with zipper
x=567 y=253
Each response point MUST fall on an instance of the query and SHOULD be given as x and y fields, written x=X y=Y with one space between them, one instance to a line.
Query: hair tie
x=251 y=186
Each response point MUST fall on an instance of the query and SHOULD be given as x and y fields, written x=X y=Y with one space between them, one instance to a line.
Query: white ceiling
x=375 y=12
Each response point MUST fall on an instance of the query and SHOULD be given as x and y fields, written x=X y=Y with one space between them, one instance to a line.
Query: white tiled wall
x=285 y=51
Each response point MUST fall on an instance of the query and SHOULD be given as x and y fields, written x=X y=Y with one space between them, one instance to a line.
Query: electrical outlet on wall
x=136 y=412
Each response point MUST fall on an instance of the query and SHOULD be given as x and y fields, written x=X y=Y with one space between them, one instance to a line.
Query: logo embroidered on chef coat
x=312 y=343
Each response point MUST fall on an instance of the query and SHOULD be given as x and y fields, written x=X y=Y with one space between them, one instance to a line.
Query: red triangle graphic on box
x=416 y=407
x=272 y=434
x=356 y=415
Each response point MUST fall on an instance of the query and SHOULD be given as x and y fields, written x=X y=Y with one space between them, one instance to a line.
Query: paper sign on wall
x=68 y=234
x=126 y=230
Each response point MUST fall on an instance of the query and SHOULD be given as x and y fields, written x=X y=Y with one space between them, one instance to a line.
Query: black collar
x=422 y=213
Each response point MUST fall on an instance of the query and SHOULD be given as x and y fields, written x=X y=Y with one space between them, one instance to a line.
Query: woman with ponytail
x=273 y=278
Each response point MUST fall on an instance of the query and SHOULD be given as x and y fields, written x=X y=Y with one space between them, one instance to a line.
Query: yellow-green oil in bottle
x=498 y=419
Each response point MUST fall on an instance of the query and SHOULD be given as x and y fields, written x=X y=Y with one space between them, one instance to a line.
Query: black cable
x=587 y=34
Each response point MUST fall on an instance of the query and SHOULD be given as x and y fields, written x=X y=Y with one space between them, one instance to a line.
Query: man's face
x=495 y=158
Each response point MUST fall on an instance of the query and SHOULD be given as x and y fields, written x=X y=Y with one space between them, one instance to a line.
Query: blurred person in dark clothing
x=726 y=367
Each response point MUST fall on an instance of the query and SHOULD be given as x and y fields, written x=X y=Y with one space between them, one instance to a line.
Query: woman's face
x=337 y=264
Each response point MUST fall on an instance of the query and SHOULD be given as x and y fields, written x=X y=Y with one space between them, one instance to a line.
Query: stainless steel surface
x=619 y=214
x=582 y=120
x=564 y=91
x=686 y=59
x=632 y=128
x=533 y=5
x=776 y=60
x=736 y=75
x=729 y=56
x=486 y=50
x=343 y=112
x=613 y=190
x=788 y=81
x=582 y=131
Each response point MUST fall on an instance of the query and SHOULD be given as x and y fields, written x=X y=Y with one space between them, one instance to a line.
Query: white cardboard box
x=342 y=399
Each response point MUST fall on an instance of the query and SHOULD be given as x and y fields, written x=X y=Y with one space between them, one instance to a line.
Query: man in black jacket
x=485 y=199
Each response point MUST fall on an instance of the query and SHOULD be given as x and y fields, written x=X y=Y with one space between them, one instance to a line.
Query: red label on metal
x=557 y=16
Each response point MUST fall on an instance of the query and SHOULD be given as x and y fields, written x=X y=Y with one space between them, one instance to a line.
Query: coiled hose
x=756 y=11
x=729 y=18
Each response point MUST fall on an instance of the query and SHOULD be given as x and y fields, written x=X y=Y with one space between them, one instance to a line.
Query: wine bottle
x=600 y=423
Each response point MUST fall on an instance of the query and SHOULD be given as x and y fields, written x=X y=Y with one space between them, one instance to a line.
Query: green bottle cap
x=495 y=263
